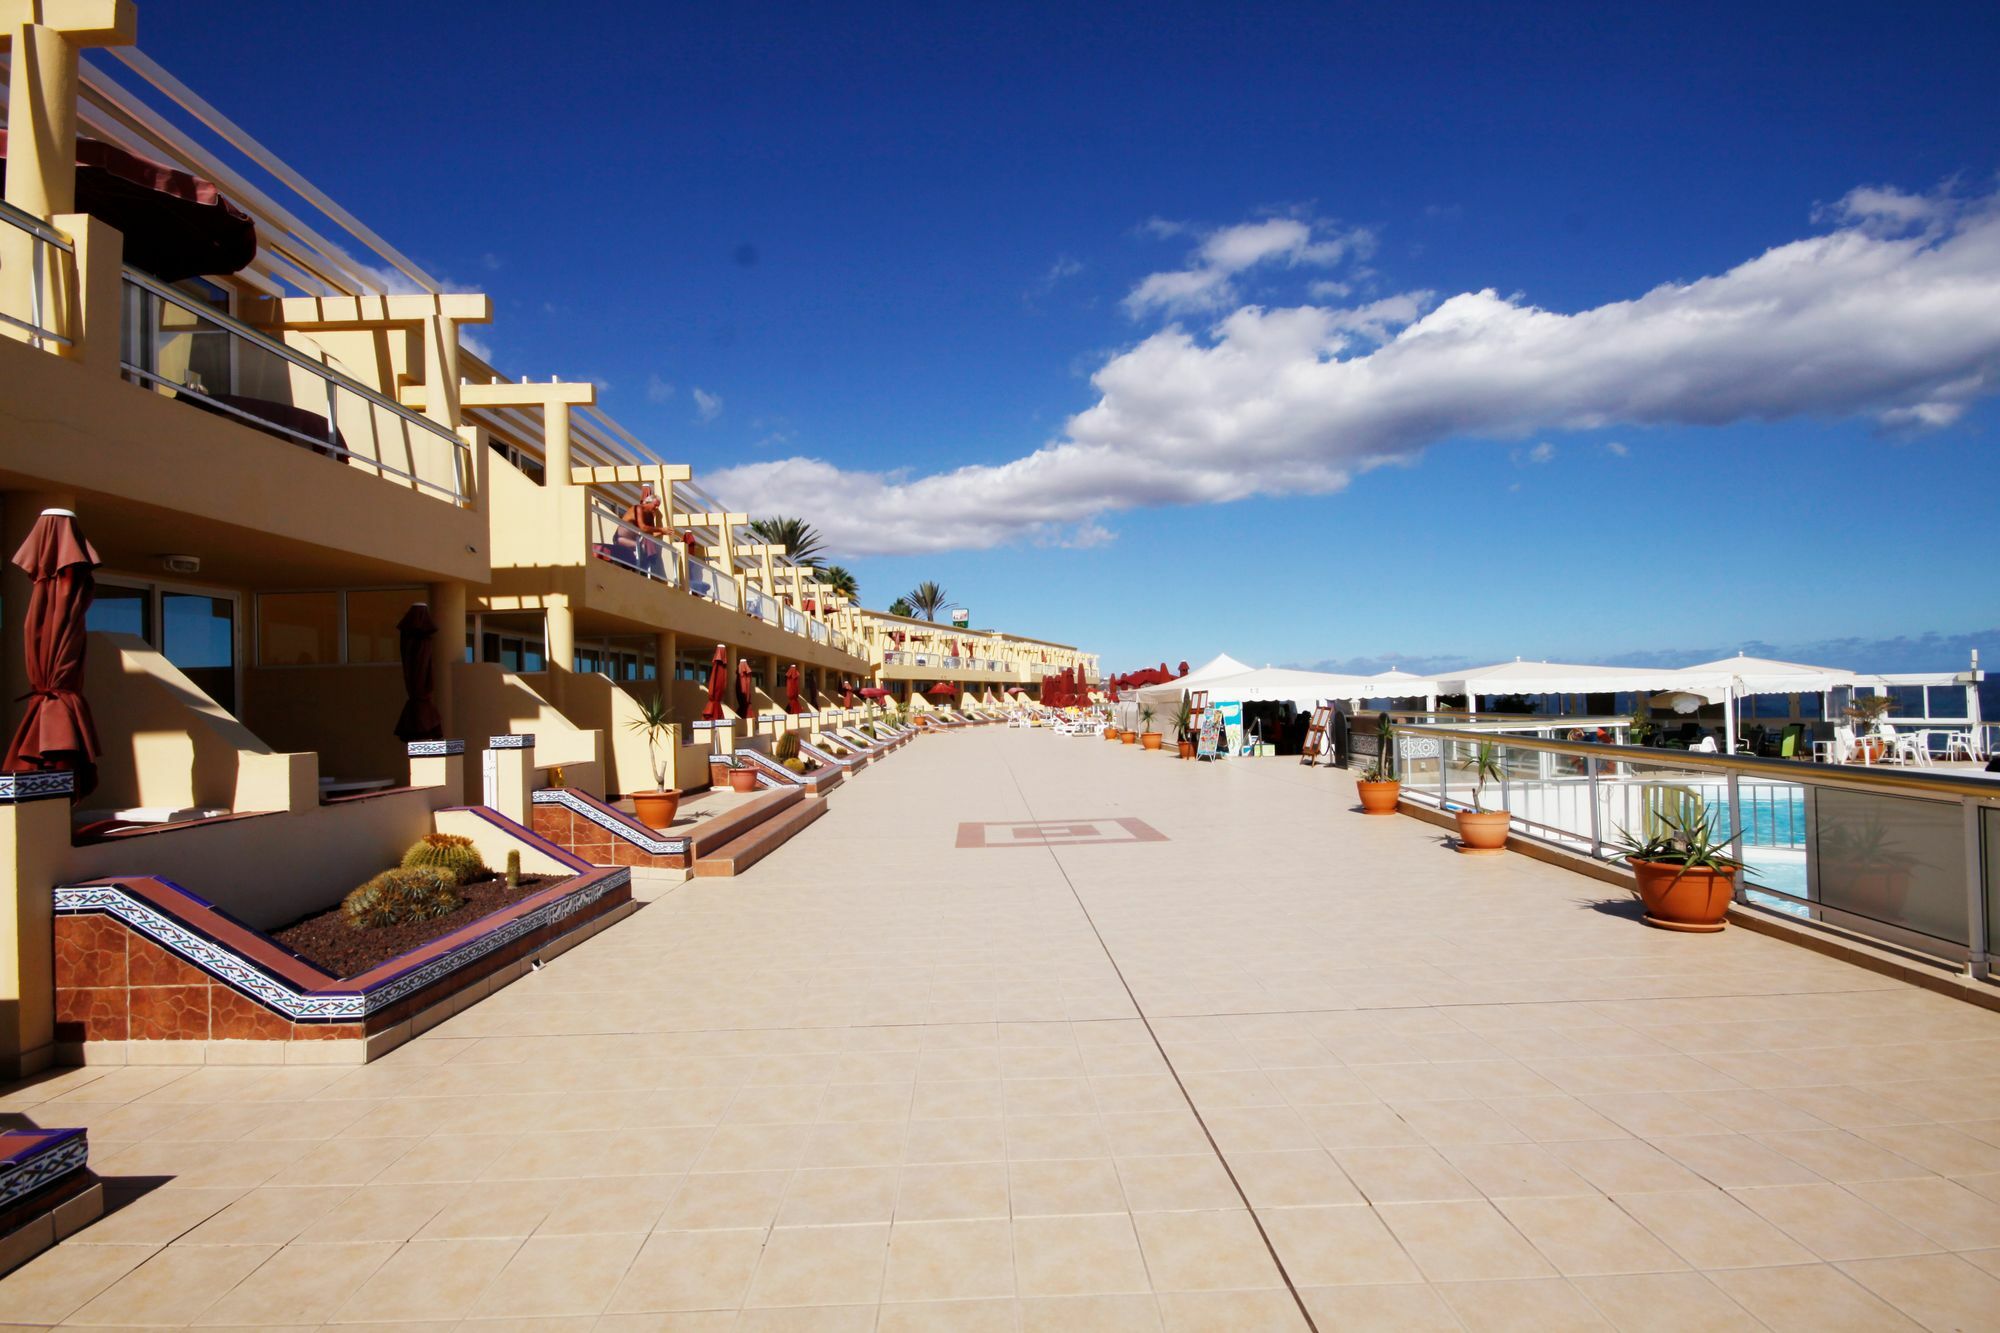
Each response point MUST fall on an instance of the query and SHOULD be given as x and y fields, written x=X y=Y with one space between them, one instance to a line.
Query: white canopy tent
x=1728 y=679
x=1302 y=689
x=1519 y=677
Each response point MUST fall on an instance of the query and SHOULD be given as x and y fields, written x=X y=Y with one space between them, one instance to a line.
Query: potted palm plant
x=1379 y=787
x=1147 y=736
x=1686 y=878
x=1184 y=735
x=656 y=723
x=1866 y=712
x=1481 y=831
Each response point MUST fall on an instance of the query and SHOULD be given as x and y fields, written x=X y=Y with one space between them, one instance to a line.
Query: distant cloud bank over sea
x=1922 y=652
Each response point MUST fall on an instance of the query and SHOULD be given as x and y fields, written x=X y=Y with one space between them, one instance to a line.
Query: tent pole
x=1729 y=716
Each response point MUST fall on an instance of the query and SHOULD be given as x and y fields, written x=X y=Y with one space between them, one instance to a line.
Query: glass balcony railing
x=192 y=352
x=794 y=622
x=622 y=544
x=818 y=631
x=27 y=243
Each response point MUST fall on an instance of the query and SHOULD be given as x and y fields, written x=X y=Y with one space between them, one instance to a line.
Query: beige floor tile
x=1939 y=1147
x=989 y=1316
x=428 y=1279
x=343 y=1161
x=1809 y=1298
x=1043 y=1188
x=1588 y=1236
x=950 y=1261
x=1051 y=1136
x=1218 y=1250
x=690 y=1270
x=1624 y=1166
x=1833 y=1223
x=1410 y=1307
x=382 y=1212
x=445 y=1157
x=1337 y=1246
x=1734 y=1161
x=1939 y=1291
x=269 y=1216
x=724 y=1200
x=496 y=1210
x=1292 y=1179
x=952 y=1190
x=1403 y=1175
x=1664 y=1303
x=155 y=1217
x=175 y=1285
x=300 y=1284
x=1181 y=1183
x=1210 y=1311
x=1514 y=1170
x=1710 y=1229
x=1538 y=1305
x=821 y=1266
x=1555 y=1118
x=1101 y=1314
x=855 y=1143
x=1463 y=1242
x=1842 y=1157
x=1078 y=1256
x=953 y=1099
x=1154 y=1134
x=627 y=1204
x=559 y=1275
x=52 y=1285
x=836 y=1195
x=1944 y=1210
x=956 y=1140
x=809 y=1319
x=1359 y=1125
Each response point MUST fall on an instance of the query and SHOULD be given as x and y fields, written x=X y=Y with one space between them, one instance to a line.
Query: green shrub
x=447 y=853
x=787 y=747
x=410 y=893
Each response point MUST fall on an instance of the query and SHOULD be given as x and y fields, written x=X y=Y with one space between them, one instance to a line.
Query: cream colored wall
x=491 y=702
x=347 y=714
x=601 y=704
x=272 y=869
x=494 y=842
x=167 y=744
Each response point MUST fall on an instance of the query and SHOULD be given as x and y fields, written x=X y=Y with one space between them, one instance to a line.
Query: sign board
x=961 y=616
x=1232 y=726
x=1319 y=737
x=1207 y=746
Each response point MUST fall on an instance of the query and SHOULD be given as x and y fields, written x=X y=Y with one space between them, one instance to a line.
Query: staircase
x=731 y=843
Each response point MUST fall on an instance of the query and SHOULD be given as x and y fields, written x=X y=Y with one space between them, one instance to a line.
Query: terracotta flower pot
x=1482 y=832
x=1111 y=733
x=1187 y=749
x=1693 y=898
x=718 y=774
x=1128 y=737
x=743 y=779
x=1152 y=740
x=1379 y=798
x=656 y=808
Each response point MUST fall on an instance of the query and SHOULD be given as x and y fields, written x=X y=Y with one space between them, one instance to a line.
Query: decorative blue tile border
x=435 y=749
x=510 y=742
x=16 y=788
x=46 y=1162
x=610 y=822
x=769 y=771
x=328 y=1006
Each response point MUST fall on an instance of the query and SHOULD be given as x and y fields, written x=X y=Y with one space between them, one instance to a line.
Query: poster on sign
x=1208 y=743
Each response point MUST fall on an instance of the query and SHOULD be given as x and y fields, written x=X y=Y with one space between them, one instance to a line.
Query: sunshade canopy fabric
x=1303 y=689
x=1518 y=677
x=1768 y=675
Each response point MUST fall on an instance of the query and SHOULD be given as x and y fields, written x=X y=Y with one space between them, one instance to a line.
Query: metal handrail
x=41 y=235
x=1780 y=770
x=319 y=369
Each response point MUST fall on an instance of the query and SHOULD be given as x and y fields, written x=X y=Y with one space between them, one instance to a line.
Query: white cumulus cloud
x=707 y=406
x=1892 y=314
x=1206 y=283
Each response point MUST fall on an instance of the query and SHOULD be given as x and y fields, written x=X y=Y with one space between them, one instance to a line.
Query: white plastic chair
x=1905 y=749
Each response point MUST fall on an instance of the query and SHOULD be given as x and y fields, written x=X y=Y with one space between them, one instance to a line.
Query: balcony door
x=194 y=628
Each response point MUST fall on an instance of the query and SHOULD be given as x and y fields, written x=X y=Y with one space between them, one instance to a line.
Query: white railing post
x=1596 y=832
x=1736 y=833
x=1976 y=962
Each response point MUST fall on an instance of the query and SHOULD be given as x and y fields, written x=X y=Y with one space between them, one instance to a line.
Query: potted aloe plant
x=655 y=722
x=1482 y=831
x=1379 y=787
x=1149 y=738
x=742 y=776
x=1686 y=878
x=1184 y=733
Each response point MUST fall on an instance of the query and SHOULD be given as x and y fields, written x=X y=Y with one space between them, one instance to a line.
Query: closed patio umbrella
x=416 y=633
x=56 y=732
x=793 y=704
x=846 y=694
x=718 y=684
x=746 y=689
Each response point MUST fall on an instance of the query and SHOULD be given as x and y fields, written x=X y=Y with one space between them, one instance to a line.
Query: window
x=116 y=610
x=372 y=614
x=298 y=629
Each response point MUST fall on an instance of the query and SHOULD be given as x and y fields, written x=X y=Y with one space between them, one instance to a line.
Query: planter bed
x=147 y=971
x=325 y=940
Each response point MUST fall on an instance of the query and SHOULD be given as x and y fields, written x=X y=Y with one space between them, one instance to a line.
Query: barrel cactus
x=796 y=764
x=411 y=893
x=786 y=747
x=447 y=853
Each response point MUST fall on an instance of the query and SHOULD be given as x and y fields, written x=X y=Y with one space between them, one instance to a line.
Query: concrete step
x=768 y=804
x=757 y=842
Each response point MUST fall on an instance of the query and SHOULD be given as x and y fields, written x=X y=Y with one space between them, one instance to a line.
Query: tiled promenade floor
x=889 y=1081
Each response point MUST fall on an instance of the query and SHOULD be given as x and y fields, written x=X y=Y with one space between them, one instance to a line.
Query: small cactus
x=447 y=853
x=418 y=893
x=786 y=747
x=796 y=764
x=513 y=869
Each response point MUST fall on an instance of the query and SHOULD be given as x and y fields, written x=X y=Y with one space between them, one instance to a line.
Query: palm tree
x=841 y=581
x=901 y=607
x=797 y=536
x=928 y=598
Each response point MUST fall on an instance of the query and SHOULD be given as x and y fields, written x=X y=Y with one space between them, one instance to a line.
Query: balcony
x=194 y=353
x=49 y=258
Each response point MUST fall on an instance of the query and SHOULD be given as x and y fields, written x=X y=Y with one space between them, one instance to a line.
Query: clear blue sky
x=888 y=237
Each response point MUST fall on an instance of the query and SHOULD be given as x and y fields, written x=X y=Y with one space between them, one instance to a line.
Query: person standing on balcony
x=642 y=529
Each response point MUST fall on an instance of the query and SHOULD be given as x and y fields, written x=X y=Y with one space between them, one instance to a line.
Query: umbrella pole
x=1729 y=717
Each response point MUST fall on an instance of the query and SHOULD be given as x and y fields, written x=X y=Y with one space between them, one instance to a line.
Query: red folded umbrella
x=56 y=732
x=846 y=694
x=874 y=692
x=746 y=689
x=793 y=704
x=718 y=683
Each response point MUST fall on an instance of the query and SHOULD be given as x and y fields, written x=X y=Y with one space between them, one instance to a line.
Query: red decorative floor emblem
x=1058 y=833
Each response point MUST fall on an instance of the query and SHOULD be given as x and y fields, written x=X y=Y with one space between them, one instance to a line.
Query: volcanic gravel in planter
x=325 y=940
